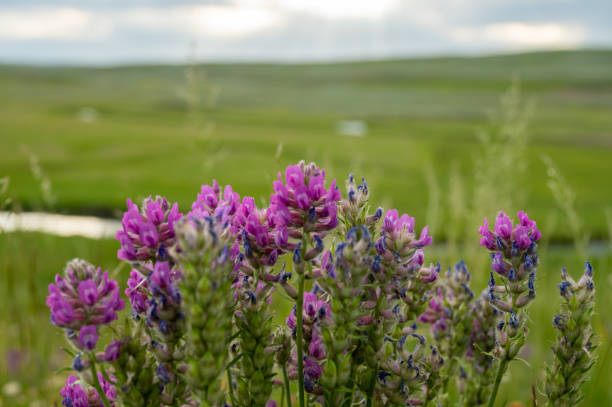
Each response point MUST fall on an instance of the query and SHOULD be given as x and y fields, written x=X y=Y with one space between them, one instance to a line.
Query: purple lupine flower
x=83 y=296
x=211 y=202
x=398 y=242
x=88 y=292
x=524 y=234
x=112 y=351
x=315 y=311
x=498 y=264
x=488 y=239
x=530 y=225
x=88 y=337
x=514 y=259
x=313 y=369
x=73 y=395
x=316 y=349
x=137 y=291
x=395 y=224
x=327 y=265
x=437 y=315
x=108 y=386
x=398 y=265
x=263 y=237
x=164 y=306
x=313 y=366
x=147 y=231
x=503 y=226
x=303 y=202
x=163 y=278
x=514 y=249
x=76 y=395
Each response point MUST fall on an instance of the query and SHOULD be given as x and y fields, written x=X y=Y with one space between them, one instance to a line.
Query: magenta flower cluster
x=315 y=312
x=371 y=323
x=303 y=203
x=507 y=236
x=82 y=300
x=148 y=231
x=263 y=235
x=75 y=395
x=513 y=255
x=212 y=202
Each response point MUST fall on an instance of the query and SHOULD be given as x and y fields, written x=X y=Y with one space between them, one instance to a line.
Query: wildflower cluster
x=477 y=374
x=75 y=395
x=370 y=322
x=204 y=251
x=514 y=261
x=158 y=313
x=448 y=313
x=147 y=231
x=575 y=343
x=82 y=301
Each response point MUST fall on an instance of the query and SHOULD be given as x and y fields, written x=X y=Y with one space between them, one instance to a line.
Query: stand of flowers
x=372 y=323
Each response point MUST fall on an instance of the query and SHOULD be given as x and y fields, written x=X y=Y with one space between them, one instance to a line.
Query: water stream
x=60 y=225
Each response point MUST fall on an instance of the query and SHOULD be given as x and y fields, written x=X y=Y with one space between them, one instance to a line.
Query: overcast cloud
x=122 y=31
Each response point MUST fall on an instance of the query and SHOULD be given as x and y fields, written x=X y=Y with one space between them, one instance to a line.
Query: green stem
x=449 y=373
x=287 y=387
x=230 y=385
x=300 y=334
x=370 y=395
x=348 y=395
x=96 y=381
x=500 y=373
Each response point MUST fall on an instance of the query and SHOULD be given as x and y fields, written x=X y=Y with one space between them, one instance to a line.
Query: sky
x=106 y=32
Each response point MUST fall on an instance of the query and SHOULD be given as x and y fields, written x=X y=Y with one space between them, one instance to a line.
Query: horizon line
x=296 y=62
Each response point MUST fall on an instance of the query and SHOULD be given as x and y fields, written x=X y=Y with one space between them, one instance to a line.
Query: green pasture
x=169 y=129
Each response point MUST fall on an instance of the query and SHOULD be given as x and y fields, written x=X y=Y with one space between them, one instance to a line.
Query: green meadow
x=101 y=135
x=169 y=129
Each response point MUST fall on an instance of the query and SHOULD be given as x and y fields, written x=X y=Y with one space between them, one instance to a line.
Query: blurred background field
x=447 y=140
x=137 y=130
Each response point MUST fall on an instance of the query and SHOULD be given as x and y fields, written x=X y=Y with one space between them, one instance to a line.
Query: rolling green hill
x=103 y=134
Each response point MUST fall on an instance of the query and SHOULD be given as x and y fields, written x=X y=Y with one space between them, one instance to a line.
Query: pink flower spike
x=88 y=292
x=522 y=237
x=503 y=226
x=424 y=238
x=294 y=176
x=487 y=240
x=148 y=234
x=88 y=337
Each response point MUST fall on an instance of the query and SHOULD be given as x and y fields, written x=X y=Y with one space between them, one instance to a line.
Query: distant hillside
x=151 y=128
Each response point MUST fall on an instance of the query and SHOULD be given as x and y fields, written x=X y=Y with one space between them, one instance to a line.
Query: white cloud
x=216 y=21
x=114 y=30
x=519 y=35
x=63 y=23
x=340 y=9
